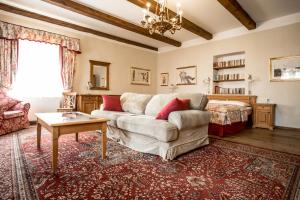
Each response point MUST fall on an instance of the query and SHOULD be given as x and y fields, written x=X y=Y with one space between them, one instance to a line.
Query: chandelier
x=160 y=22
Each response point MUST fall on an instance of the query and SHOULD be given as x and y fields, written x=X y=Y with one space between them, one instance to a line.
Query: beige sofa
x=138 y=129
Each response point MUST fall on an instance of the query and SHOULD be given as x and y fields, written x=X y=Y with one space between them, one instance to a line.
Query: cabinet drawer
x=264 y=108
x=89 y=98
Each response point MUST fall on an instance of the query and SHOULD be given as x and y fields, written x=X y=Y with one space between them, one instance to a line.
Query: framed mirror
x=99 y=75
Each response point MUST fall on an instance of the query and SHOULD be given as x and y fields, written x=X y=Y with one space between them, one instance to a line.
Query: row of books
x=223 y=77
x=220 y=90
x=229 y=63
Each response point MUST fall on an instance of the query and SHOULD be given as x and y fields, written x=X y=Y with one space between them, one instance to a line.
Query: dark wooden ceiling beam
x=96 y=14
x=25 y=13
x=239 y=13
x=186 y=24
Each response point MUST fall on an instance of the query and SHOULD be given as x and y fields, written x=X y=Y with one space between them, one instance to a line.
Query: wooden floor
x=279 y=139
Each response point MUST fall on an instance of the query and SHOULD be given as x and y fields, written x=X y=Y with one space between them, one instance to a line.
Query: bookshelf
x=229 y=67
x=218 y=81
x=229 y=73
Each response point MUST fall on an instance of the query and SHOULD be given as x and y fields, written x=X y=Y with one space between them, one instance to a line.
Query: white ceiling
x=209 y=14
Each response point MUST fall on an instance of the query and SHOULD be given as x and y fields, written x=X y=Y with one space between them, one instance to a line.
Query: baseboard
x=32 y=122
x=287 y=128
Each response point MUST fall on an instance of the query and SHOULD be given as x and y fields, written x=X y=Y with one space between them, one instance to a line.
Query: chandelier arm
x=161 y=21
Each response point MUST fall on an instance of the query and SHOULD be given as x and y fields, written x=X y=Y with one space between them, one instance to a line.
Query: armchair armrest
x=187 y=119
x=22 y=106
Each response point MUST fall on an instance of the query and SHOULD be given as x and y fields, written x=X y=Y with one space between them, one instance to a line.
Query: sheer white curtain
x=39 y=70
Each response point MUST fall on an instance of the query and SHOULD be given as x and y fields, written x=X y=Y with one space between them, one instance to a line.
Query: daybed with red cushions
x=13 y=114
x=147 y=124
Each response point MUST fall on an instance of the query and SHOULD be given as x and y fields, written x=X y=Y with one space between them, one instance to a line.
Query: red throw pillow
x=174 y=105
x=186 y=103
x=112 y=103
x=7 y=103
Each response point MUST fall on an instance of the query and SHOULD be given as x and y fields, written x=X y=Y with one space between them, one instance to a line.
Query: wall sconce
x=173 y=87
x=249 y=80
x=207 y=82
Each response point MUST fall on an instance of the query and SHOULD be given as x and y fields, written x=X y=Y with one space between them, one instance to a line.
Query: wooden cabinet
x=264 y=115
x=86 y=103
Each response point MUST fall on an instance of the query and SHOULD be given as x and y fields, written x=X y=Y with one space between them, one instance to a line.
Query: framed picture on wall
x=285 y=68
x=164 y=79
x=140 y=76
x=186 y=75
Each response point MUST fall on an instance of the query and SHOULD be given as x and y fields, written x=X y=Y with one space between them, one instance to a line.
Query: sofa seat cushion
x=149 y=126
x=112 y=115
x=13 y=114
x=134 y=103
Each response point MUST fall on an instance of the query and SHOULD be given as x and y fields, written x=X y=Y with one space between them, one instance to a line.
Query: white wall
x=259 y=47
x=121 y=57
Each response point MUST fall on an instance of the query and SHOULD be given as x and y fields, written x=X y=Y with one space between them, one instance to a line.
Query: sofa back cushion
x=134 y=103
x=198 y=101
x=158 y=102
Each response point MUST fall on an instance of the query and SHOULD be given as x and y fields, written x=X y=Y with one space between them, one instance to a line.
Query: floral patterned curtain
x=8 y=62
x=13 y=32
x=67 y=68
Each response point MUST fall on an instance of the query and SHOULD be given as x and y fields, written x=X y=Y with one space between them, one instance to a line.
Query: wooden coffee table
x=61 y=123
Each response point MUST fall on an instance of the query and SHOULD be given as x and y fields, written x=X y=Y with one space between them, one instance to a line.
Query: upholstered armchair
x=13 y=118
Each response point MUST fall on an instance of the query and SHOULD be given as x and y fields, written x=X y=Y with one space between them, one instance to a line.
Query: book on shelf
x=220 y=90
x=229 y=63
x=225 y=77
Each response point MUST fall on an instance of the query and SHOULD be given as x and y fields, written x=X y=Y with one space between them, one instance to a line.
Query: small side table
x=264 y=115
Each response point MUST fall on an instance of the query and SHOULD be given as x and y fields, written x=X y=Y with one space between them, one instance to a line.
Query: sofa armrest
x=22 y=106
x=187 y=119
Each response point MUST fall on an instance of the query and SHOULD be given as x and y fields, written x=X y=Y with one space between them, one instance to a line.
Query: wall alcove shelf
x=229 y=73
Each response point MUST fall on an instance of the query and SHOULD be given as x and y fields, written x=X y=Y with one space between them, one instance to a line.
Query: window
x=38 y=70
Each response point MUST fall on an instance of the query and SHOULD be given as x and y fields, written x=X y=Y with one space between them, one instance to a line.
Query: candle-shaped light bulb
x=178 y=6
x=180 y=16
x=161 y=2
x=148 y=5
x=144 y=14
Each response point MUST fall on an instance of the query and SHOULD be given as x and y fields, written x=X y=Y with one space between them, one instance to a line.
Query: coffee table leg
x=104 y=140
x=76 y=135
x=38 y=132
x=55 y=135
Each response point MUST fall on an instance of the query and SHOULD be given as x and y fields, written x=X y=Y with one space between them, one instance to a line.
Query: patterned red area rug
x=222 y=170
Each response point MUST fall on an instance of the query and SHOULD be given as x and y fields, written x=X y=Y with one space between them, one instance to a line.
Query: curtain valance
x=12 y=32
